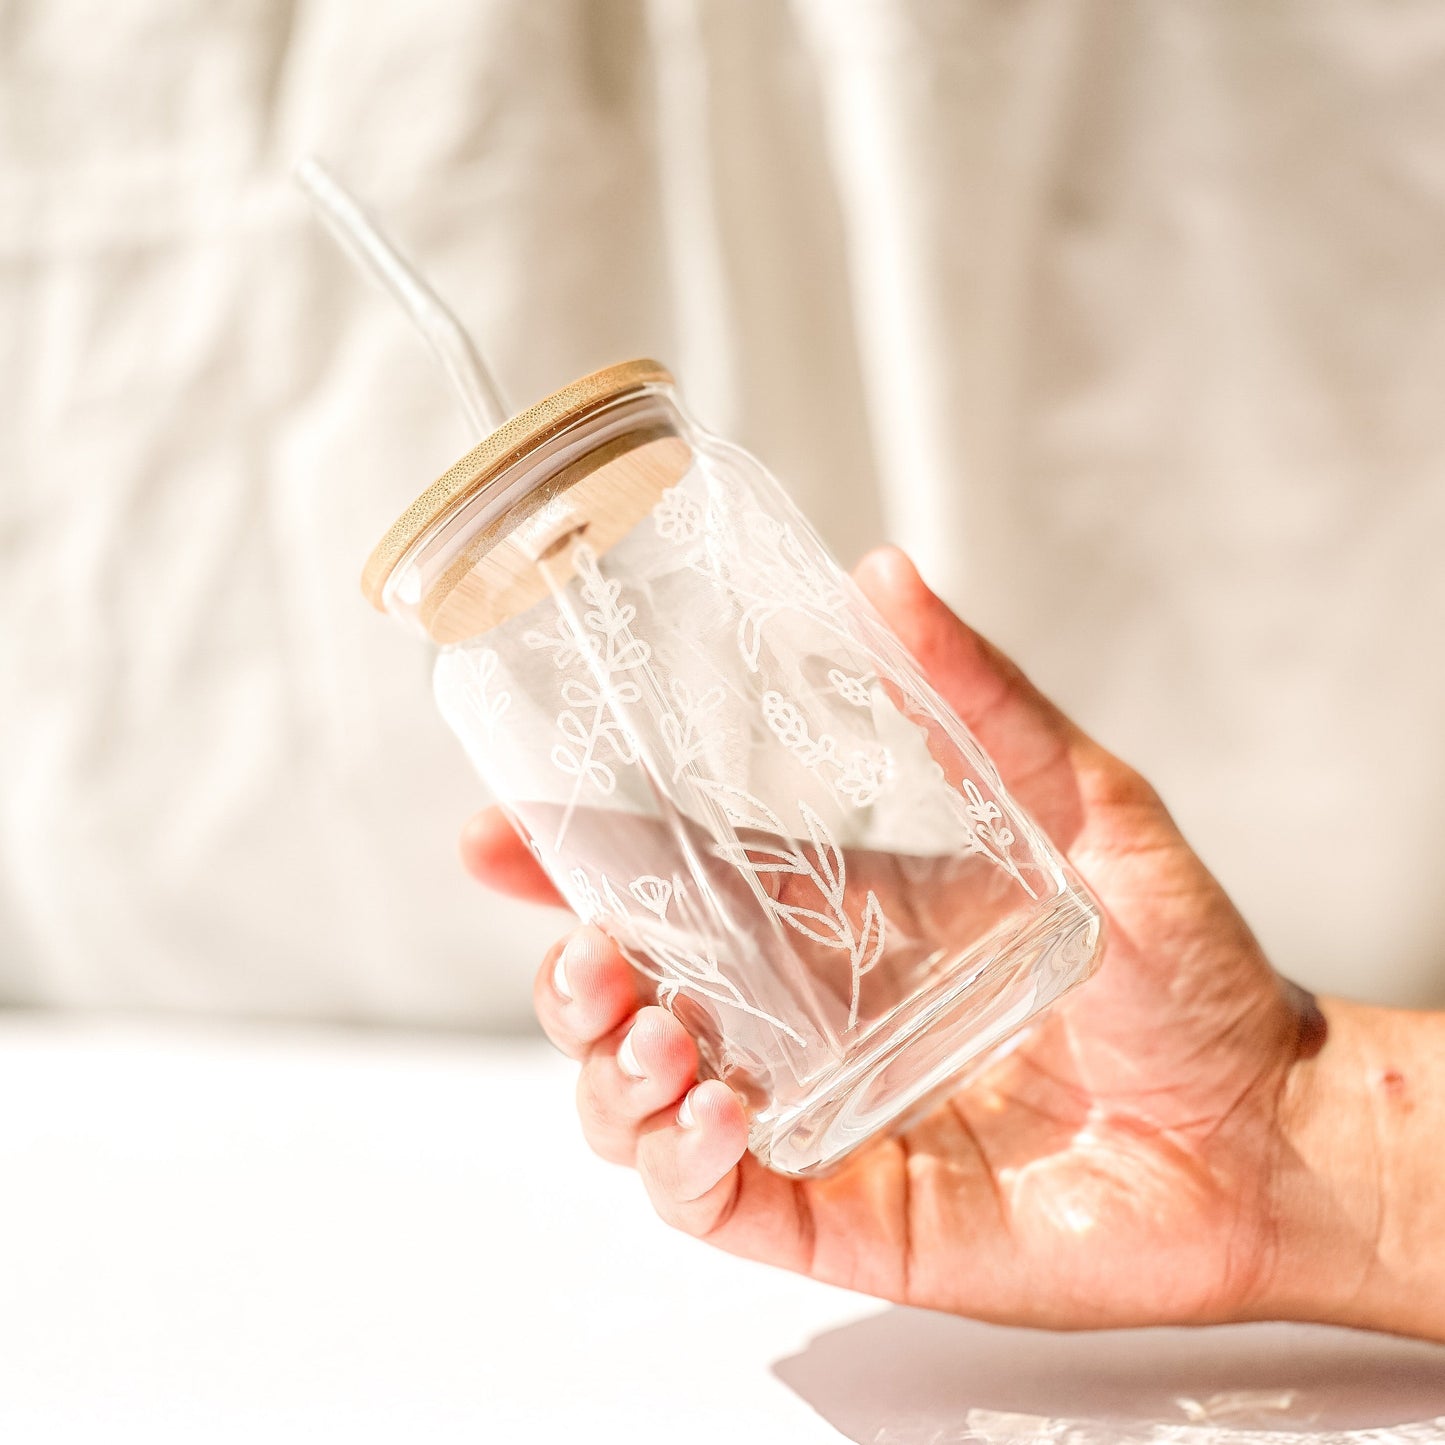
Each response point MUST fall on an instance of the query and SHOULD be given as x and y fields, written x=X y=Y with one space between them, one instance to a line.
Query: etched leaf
x=750 y=633
x=632 y=653
x=871 y=935
x=708 y=703
x=820 y=927
x=742 y=809
x=829 y=857
x=979 y=807
x=867 y=950
x=579 y=694
x=570 y=726
x=623 y=744
x=760 y=857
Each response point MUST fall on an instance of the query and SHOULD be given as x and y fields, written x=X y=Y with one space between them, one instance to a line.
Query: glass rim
x=496 y=453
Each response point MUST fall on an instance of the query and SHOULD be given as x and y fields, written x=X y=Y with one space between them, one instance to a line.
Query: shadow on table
x=908 y=1377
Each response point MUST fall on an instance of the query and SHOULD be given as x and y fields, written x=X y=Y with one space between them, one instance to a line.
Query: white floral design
x=677 y=517
x=826 y=870
x=491 y=707
x=589 y=727
x=682 y=725
x=985 y=834
x=783 y=575
x=859 y=777
x=586 y=899
x=862 y=779
x=677 y=958
x=652 y=892
x=607 y=675
x=849 y=688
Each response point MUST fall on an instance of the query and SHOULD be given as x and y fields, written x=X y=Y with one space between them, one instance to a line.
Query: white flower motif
x=682 y=725
x=652 y=892
x=787 y=723
x=588 y=901
x=985 y=833
x=863 y=778
x=492 y=707
x=677 y=517
x=590 y=724
x=849 y=688
x=825 y=869
x=677 y=960
x=859 y=778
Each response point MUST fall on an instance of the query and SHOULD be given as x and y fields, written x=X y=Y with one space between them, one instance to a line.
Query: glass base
x=976 y=1013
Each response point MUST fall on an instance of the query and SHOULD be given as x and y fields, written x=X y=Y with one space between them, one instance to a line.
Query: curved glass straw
x=365 y=243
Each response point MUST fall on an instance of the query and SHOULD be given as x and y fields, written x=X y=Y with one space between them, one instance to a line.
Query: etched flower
x=593 y=723
x=786 y=722
x=862 y=780
x=849 y=688
x=588 y=901
x=682 y=724
x=652 y=892
x=492 y=706
x=677 y=517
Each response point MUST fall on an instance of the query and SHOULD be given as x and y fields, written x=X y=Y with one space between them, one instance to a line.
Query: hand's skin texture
x=1188 y=1138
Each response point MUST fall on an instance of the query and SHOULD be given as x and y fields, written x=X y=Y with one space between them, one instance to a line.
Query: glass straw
x=365 y=243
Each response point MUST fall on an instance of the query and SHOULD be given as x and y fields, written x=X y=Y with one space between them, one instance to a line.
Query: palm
x=1116 y=1168
x=1112 y=1169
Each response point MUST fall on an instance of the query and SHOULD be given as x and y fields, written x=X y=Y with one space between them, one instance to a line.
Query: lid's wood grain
x=498 y=451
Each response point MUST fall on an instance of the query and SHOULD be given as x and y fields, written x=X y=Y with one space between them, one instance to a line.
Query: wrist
x=1359 y=1202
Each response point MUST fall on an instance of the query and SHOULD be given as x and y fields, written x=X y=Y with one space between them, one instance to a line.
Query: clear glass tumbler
x=723 y=757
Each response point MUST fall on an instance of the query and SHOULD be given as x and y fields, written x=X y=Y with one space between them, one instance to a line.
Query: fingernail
x=685 y=1116
x=559 y=977
x=627 y=1058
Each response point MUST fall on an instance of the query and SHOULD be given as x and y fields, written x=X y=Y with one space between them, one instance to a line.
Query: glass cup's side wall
x=723 y=756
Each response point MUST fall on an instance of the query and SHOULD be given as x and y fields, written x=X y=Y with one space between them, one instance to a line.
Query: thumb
x=494 y=852
x=1019 y=728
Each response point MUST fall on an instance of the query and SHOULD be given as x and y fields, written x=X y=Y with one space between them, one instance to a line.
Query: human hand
x=1153 y=1153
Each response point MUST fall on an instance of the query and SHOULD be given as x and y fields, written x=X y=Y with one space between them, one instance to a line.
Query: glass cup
x=722 y=757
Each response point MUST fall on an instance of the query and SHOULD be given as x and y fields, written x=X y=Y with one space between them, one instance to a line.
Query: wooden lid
x=495 y=453
x=598 y=500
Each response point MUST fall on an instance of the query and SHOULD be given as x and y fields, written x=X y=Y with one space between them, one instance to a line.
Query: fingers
x=636 y=1095
x=495 y=853
x=640 y=1104
x=583 y=992
x=689 y=1159
x=636 y=1062
x=1019 y=728
x=644 y=1068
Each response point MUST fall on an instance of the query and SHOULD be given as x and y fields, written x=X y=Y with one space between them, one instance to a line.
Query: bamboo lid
x=498 y=451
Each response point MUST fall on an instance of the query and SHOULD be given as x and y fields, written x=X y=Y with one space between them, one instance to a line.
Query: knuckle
x=607 y=1136
x=561 y=1037
x=658 y=1164
x=1117 y=785
x=594 y=1103
x=607 y=1144
x=697 y=1218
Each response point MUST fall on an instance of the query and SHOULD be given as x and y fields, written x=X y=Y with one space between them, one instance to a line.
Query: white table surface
x=267 y=1234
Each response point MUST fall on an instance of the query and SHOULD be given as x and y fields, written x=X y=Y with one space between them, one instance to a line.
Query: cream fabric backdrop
x=1129 y=319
